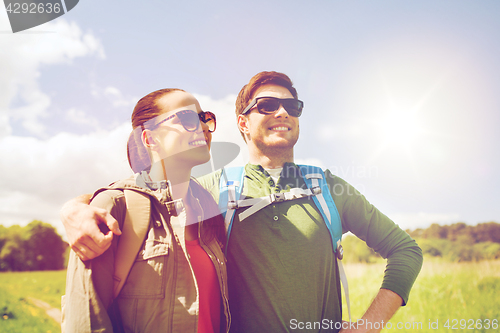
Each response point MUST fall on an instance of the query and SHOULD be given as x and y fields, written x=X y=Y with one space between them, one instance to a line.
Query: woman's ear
x=147 y=139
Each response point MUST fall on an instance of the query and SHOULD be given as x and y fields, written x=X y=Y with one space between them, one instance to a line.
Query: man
x=282 y=272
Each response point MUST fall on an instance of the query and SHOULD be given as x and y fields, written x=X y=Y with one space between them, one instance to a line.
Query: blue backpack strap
x=230 y=188
x=315 y=177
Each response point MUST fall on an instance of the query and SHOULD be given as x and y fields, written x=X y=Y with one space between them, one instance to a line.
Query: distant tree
x=483 y=232
x=13 y=255
x=46 y=248
x=34 y=247
x=436 y=231
x=3 y=240
x=3 y=236
x=417 y=233
x=488 y=232
x=456 y=230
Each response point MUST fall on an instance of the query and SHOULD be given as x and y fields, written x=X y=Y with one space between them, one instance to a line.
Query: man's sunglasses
x=269 y=105
x=190 y=120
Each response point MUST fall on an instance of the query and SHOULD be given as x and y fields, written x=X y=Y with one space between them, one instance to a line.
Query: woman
x=178 y=280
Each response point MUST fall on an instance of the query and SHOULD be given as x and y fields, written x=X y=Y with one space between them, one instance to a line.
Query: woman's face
x=171 y=140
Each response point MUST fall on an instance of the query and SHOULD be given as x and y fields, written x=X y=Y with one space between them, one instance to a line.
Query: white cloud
x=80 y=117
x=5 y=128
x=38 y=176
x=22 y=56
x=226 y=123
x=37 y=102
x=21 y=208
x=117 y=99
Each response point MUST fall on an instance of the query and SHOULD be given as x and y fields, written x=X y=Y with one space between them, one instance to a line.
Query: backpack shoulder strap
x=230 y=188
x=135 y=228
x=315 y=177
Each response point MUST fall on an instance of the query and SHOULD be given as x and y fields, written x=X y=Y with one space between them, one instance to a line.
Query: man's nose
x=281 y=112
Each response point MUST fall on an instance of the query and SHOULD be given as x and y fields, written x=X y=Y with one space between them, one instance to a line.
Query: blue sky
x=401 y=97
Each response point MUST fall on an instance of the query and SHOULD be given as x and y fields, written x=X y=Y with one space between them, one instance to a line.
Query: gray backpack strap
x=135 y=228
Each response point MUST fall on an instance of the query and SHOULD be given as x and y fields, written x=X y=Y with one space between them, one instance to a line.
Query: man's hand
x=383 y=307
x=82 y=221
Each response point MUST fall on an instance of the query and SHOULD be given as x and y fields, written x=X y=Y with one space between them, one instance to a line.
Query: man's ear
x=243 y=125
x=147 y=139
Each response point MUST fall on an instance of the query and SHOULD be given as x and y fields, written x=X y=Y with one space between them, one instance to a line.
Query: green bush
x=36 y=246
x=356 y=250
x=459 y=250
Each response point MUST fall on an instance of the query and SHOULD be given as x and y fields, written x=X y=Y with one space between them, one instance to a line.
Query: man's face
x=276 y=130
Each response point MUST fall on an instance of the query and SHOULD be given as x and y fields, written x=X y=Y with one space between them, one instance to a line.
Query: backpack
x=134 y=230
x=231 y=187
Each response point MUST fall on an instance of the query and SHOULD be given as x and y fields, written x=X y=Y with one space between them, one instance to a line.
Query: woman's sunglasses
x=190 y=120
x=269 y=105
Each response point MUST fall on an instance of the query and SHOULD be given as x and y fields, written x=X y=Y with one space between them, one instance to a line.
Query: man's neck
x=271 y=159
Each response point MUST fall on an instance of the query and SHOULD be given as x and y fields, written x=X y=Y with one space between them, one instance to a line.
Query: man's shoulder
x=211 y=182
x=331 y=177
x=339 y=187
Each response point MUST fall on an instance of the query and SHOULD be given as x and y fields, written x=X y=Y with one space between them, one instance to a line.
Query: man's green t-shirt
x=281 y=267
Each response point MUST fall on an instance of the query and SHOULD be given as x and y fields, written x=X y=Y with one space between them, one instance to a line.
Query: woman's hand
x=82 y=221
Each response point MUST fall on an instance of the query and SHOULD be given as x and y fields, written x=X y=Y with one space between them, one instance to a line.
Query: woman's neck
x=178 y=177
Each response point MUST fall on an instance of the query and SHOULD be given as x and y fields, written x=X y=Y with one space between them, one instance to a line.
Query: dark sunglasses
x=190 y=120
x=269 y=105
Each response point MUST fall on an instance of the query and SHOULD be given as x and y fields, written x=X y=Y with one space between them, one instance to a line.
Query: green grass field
x=18 y=314
x=460 y=293
x=457 y=292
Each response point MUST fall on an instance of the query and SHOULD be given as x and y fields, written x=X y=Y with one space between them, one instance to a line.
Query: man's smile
x=280 y=128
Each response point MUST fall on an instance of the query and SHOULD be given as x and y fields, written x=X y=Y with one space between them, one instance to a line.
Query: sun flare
x=400 y=128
